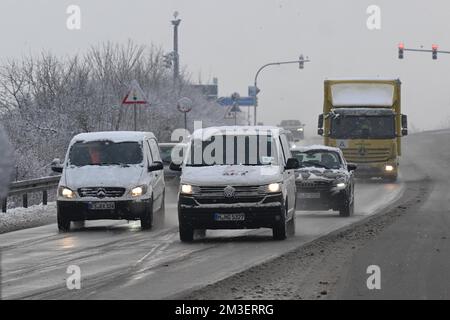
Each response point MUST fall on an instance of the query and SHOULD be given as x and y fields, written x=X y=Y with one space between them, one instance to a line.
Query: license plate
x=102 y=205
x=229 y=216
x=309 y=195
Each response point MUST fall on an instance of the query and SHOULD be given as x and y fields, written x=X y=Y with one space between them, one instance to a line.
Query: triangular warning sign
x=135 y=94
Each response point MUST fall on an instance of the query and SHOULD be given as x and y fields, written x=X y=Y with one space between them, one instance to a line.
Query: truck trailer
x=363 y=118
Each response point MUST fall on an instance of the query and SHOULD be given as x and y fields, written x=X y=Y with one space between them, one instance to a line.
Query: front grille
x=101 y=192
x=313 y=185
x=366 y=155
x=242 y=194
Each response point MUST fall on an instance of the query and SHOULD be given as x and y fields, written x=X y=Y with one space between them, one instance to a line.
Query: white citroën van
x=110 y=175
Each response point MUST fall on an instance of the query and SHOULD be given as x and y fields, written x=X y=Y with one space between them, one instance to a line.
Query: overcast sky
x=230 y=39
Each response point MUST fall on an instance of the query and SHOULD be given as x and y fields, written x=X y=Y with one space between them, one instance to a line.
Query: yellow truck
x=363 y=118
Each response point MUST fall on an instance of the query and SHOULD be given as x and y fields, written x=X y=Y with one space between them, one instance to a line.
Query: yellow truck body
x=363 y=118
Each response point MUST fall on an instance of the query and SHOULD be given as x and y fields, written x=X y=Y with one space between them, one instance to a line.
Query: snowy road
x=119 y=261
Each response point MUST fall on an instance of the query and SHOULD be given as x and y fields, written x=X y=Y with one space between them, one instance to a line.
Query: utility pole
x=301 y=62
x=176 y=56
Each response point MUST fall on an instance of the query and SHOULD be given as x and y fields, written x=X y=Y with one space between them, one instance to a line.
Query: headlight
x=138 y=191
x=341 y=185
x=389 y=168
x=186 y=189
x=66 y=193
x=274 y=187
x=300 y=129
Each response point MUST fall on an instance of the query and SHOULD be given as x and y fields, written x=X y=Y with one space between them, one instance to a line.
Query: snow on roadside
x=21 y=218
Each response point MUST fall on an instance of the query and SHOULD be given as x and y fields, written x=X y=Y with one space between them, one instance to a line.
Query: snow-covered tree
x=46 y=100
x=5 y=164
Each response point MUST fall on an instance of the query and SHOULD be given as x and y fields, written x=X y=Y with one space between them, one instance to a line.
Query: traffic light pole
x=301 y=61
x=434 y=51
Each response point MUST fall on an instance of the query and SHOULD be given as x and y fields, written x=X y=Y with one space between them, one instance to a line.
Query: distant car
x=110 y=175
x=237 y=178
x=325 y=180
x=168 y=149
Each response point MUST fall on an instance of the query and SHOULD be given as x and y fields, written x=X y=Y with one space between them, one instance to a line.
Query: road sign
x=184 y=105
x=242 y=101
x=135 y=94
x=252 y=91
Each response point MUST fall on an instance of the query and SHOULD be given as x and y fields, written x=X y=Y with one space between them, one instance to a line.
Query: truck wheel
x=347 y=208
x=186 y=233
x=147 y=217
x=279 y=230
x=63 y=222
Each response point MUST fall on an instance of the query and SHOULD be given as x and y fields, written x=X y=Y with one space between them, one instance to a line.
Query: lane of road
x=118 y=260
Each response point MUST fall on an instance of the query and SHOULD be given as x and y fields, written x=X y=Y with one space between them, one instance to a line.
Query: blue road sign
x=242 y=102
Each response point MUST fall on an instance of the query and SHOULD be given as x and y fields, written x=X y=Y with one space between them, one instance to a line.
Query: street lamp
x=176 y=58
x=301 y=62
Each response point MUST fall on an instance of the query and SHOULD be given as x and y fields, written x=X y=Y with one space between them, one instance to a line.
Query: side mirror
x=57 y=166
x=320 y=125
x=351 y=167
x=404 y=121
x=155 y=166
x=175 y=167
x=404 y=132
x=292 y=163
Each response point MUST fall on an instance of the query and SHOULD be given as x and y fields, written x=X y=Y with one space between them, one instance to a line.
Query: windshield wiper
x=315 y=164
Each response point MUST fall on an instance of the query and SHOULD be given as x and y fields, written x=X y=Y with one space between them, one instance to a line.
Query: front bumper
x=328 y=199
x=376 y=169
x=125 y=209
x=257 y=215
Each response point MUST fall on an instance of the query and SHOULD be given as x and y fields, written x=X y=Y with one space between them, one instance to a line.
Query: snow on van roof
x=314 y=147
x=115 y=136
x=206 y=133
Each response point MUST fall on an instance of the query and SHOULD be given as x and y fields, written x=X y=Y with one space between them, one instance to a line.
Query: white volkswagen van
x=110 y=175
x=236 y=178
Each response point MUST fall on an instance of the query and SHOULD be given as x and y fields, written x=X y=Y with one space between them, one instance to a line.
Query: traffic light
x=168 y=60
x=434 y=51
x=301 y=63
x=401 y=48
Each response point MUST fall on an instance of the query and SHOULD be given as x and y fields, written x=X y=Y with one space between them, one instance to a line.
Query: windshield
x=105 y=153
x=166 y=153
x=318 y=158
x=363 y=127
x=252 y=150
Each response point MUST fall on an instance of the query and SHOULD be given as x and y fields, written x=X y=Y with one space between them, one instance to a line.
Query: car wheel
x=186 y=233
x=347 y=208
x=279 y=230
x=291 y=226
x=147 y=217
x=63 y=222
x=79 y=224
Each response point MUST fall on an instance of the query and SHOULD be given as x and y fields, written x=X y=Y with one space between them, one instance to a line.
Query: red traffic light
x=401 y=47
x=434 y=49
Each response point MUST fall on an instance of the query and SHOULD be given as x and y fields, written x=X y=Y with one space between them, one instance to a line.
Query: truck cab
x=363 y=118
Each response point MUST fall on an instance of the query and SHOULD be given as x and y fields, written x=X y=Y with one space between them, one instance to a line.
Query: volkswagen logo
x=101 y=193
x=229 y=192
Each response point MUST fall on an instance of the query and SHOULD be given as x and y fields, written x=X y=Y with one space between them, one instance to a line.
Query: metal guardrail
x=28 y=186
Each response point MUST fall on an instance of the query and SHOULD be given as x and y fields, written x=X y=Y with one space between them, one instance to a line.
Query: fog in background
x=230 y=39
